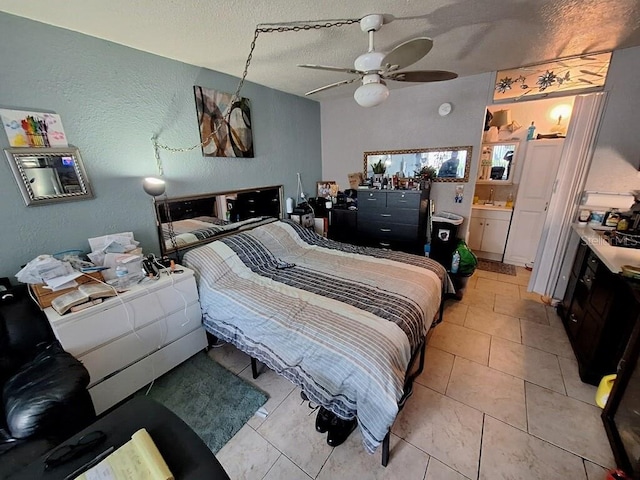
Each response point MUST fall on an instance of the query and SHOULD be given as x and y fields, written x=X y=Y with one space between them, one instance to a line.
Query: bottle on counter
x=531 y=131
x=509 y=203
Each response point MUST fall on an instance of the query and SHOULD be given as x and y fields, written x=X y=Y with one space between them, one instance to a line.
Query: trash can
x=444 y=237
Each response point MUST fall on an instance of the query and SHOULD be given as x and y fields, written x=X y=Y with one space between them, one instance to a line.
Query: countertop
x=613 y=257
x=499 y=208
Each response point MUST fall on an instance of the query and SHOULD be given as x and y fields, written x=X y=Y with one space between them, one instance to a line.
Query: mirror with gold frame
x=451 y=163
x=49 y=175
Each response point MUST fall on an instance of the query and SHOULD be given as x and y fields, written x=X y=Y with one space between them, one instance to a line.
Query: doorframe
x=550 y=268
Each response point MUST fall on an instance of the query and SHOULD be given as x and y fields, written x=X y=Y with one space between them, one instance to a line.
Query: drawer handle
x=385 y=229
x=385 y=214
x=383 y=244
x=573 y=318
x=402 y=201
x=372 y=199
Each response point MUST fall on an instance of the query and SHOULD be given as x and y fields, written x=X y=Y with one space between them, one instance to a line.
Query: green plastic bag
x=468 y=260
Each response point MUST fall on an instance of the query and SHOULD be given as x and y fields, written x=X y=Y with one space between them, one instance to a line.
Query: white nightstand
x=125 y=349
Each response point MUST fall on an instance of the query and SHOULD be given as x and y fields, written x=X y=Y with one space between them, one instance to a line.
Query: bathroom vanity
x=488 y=230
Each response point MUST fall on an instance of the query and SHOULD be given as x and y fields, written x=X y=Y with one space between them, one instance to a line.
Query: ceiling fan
x=374 y=68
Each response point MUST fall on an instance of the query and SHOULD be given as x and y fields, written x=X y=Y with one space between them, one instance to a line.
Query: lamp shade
x=153 y=186
x=501 y=118
x=371 y=94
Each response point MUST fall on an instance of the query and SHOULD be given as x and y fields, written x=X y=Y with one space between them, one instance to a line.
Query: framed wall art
x=223 y=134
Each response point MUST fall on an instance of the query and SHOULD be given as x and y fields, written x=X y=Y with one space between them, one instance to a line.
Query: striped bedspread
x=339 y=321
x=193 y=230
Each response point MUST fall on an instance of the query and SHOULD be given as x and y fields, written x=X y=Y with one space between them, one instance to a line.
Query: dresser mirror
x=497 y=163
x=451 y=163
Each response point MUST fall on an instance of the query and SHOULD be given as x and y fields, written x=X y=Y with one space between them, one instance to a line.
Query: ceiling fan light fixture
x=371 y=94
x=369 y=62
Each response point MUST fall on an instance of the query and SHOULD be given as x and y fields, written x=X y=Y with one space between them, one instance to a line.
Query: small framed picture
x=326 y=189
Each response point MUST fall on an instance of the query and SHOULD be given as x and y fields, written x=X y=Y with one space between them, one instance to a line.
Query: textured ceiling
x=470 y=36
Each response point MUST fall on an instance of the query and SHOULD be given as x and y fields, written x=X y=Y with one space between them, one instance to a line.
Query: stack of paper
x=46 y=269
x=109 y=250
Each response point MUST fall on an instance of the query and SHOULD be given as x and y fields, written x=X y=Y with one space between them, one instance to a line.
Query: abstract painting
x=222 y=138
x=33 y=129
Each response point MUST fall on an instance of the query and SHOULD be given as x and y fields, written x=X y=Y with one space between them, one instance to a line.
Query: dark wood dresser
x=395 y=219
x=599 y=311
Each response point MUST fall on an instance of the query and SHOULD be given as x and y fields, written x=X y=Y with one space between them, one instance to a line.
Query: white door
x=534 y=193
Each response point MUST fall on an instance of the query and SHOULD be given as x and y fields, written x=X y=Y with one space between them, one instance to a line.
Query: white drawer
x=118 y=387
x=126 y=350
x=85 y=333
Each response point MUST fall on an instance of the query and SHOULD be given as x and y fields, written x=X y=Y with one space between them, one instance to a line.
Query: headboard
x=200 y=219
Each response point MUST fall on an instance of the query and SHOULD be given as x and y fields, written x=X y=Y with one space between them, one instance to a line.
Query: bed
x=345 y=323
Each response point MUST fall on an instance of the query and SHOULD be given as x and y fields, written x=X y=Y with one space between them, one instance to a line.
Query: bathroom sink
x=486 y=206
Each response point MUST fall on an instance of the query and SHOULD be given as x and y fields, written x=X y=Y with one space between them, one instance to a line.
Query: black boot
x=339 y=430
x=323 y=419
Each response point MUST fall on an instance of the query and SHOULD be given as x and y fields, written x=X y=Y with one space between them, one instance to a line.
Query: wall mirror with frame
x=49 y=175
x=451 y=163
x=497 y=163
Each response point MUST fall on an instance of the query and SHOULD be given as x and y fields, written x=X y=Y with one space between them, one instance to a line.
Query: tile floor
x=500 y=398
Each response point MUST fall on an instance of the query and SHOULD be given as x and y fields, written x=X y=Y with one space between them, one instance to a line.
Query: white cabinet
x=488 y=230
x=129 y=340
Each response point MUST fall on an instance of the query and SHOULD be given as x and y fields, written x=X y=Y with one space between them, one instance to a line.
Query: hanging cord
x=295 y=26
x=172 y=233
x=235 y=98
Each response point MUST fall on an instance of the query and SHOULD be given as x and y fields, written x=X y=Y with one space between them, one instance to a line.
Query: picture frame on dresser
x=326 y=189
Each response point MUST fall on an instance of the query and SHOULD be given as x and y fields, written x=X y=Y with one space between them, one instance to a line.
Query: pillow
x=40 y=388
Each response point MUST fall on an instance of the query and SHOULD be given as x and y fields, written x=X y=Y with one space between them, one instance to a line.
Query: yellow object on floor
x=604 y=389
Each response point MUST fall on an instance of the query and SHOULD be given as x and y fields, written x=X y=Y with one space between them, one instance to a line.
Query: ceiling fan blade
x=332 y=69
x=408 y=53
x=327 y=87
x=421 y=76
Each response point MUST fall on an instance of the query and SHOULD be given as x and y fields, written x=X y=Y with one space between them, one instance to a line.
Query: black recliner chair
x=44 y=397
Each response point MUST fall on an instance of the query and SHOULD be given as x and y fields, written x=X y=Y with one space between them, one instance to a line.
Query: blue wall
x=112 y=100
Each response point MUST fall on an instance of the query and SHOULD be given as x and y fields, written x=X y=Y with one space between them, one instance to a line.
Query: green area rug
x=214 y=402
x=493 y=266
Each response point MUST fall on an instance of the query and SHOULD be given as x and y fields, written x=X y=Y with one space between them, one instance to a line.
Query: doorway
x=512 y=208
